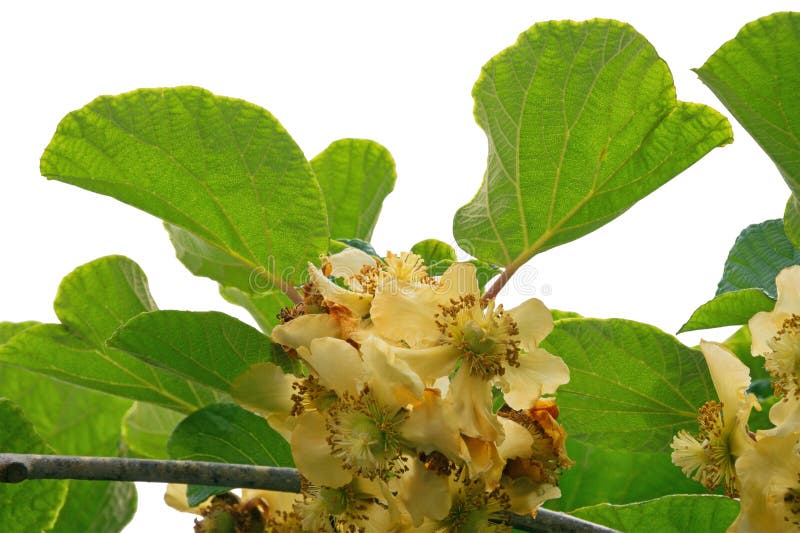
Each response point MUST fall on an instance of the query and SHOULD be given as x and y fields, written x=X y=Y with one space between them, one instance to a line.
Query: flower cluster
x=424 y=407
x=761 y=468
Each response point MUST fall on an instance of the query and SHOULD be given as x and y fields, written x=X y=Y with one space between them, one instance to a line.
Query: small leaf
x=210 y=348
x=582 y=123
x=146 y=429
x=362 y=245
x=355 y=176
x=226 y=433
x=264 y=307
x=729 y=309
x=669 y=514
x=754 y=75
x=223 y=169
x=760 y=252
x=613 y=476
x=432 y=251
x=32 y=505
x=632 y=386
x=95 y=298
x=791 y=221
x=197 y=494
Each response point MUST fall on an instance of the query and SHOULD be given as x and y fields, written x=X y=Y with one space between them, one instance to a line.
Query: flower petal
x=539 y=372
x=404 y=312
x=391 y=381
x=349 y=262
x=731 y=378
x=518 y=441
x=305 y=328
x=472 y=403
x=356 y=302
x=431 y=426
x=430 y=363
x=312 y=454
x=459 y=279
x=264 y=389
x=424 y=493
x=534 y=320
x=337 y=364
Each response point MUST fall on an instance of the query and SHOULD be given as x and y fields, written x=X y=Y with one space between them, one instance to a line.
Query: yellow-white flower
x=769 y=475
x=776 y=337
x=711 y=458
x=436 y=326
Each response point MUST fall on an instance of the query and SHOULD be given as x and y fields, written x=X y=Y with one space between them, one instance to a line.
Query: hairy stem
x=15 y=468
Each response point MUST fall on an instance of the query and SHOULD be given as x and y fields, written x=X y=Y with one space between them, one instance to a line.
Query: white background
x=399 y=73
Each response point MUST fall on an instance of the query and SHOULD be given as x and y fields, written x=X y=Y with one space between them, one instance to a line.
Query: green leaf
x=632 y=386
x=146 y=429
x=226 y=433
x=204 y=259
x=355 y=176
x=561 y=315
x=582 y=123
x=729 y=309
x=613 y=476
x=95 y=298
x=92 y=302
x=362 y=245
x=432 y=251
x=760 y=252
x=755 y=75
x=221 y=168
x=210 y=348
x=263 y=307
x=9 y=329
x=197 y=494
x=671 y=514
x=97 y=506
x=74 y=421
x=791 y=221
x=31 y=505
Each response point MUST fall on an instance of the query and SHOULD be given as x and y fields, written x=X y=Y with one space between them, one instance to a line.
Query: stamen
x=486 y=337
x=783 y=363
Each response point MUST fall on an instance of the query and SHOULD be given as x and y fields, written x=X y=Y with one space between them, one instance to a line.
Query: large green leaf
x=204 y=259
x=92 y=302
x=226 y=433
x=210 y=348
x=759 y=253
x=632 y=386
x=31 y=505
x=729 y=309
x=240 y=283
x=355 y=176
x=613 y=476
x=756 y=75
x=74 y=421
x=671 y=514
x=221 y=168
x=582 y=122
x=146 y=429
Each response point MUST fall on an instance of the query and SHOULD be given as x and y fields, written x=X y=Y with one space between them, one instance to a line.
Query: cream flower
x=769 y=475
x=535 y=453
x=776 y=337
x=710 y=459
